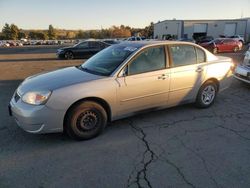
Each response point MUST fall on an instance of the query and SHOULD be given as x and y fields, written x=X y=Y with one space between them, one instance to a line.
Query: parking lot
x=177 y=147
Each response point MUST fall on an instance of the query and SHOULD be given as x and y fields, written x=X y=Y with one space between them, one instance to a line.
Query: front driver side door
x=146 y=84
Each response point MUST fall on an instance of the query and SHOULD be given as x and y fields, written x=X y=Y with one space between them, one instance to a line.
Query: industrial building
x=193 y=29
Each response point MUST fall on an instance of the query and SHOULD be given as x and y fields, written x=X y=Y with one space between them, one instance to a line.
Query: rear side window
x=183 y=55
x=201 y=57
x=94 y=44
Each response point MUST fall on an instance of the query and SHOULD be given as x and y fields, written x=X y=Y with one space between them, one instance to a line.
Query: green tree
x=38 y=35
x=14 y=31
x=70 y=35
x=51 y=33
x=149 y=30
x=82 y=34
x=21 y=35
x=6 y=31
x=93 y=34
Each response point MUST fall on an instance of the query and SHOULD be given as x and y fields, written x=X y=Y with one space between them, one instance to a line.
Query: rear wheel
x=86 y=120
x=207 y=94
x=68 y=55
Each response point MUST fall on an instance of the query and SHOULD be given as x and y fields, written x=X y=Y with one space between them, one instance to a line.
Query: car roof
x=139 y=44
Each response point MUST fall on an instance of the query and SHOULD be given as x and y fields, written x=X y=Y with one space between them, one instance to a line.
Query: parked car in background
x=239 y=38
x=242 y=71
x=204 y=39
x=6 y=44
x=83 y=49
x=134 y=39
x=222 y=45
x=119 y=81
x=111 y=41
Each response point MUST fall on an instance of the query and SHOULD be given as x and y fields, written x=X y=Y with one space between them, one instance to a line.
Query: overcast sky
x=97 y=14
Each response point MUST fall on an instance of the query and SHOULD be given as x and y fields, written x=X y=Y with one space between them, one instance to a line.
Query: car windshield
x=106 y=61
x=216 y=41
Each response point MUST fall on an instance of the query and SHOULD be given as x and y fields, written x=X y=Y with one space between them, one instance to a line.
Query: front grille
x=16 y=96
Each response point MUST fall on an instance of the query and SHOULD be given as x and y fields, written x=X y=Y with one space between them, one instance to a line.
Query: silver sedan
x=119 y=81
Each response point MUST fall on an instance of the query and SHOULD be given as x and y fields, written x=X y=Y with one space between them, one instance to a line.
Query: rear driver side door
x=187 y=73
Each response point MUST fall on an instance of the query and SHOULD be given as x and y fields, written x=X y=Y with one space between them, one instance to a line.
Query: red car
x=222 y=45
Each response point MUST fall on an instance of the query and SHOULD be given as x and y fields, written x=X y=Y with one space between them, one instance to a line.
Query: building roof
x=205 y=20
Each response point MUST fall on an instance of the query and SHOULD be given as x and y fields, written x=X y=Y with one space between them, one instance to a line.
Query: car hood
x=56 y=79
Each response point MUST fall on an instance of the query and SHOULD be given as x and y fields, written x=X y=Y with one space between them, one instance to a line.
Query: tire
x=86 y=120
x=215 y=50
x=69 y=55
x=206 y=95
x=236 y=49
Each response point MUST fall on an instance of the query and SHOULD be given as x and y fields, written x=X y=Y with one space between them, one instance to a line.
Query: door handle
x=163 y=77
x=199 y=69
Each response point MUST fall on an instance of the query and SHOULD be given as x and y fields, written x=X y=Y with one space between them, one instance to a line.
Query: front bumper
x=60 y=55
x=36 y=119
x=242 y=73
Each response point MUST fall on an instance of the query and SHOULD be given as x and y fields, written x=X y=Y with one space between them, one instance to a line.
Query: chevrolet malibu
x=120 y=81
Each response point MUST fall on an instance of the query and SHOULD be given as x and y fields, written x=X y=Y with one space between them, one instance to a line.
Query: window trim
x=141 y=51
x=205 y=55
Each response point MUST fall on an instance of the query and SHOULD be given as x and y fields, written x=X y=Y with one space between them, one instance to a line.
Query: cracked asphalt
x=177 y=147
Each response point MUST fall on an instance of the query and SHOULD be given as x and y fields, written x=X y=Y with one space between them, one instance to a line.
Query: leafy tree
x=120 y=32
x=14 y=31
x=94 y=34
x=38 y=35
x=70 y=35
x=21 y=35
x=82 y=34
x=6 y=32
x=51 y=33
x=149 y=30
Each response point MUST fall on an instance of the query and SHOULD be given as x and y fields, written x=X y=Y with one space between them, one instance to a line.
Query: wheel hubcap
x=87 y=120
x=208 y=94
x=68 y=55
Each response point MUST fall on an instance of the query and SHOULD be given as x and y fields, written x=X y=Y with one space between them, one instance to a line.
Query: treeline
x=12 y=32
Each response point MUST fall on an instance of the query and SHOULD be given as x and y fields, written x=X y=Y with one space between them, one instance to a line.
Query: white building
x=195 y=28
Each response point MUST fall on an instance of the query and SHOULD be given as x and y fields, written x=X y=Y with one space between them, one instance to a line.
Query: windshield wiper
x=89 y=71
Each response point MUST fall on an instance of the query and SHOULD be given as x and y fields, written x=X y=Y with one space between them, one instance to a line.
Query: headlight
x=36 y=97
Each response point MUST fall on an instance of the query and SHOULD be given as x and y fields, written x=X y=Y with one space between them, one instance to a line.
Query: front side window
x=83 y=45
x=150 y=59
x=183 y=55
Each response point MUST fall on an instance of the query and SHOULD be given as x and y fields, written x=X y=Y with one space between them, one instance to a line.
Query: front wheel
x=206 y=95
x=86 y=120
x=236 y=49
